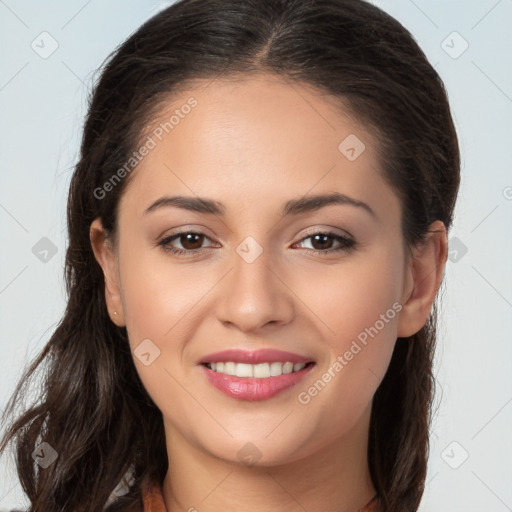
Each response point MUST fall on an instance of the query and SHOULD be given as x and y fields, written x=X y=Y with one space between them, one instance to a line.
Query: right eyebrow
x=195 y=204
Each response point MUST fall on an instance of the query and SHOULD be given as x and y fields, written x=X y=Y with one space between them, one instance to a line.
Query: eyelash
x=346 y=244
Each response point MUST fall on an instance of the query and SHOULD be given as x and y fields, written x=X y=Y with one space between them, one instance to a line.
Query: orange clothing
x=154 y=501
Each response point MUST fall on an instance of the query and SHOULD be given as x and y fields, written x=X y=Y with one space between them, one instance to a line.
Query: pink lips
x=251 y=388
x=254 y=357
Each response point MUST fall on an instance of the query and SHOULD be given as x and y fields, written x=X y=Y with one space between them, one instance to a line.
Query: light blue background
x=42 y=104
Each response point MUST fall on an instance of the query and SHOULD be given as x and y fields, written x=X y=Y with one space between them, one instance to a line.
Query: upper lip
x=254 y=356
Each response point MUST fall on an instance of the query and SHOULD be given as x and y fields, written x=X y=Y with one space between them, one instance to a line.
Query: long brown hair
x=92 y=408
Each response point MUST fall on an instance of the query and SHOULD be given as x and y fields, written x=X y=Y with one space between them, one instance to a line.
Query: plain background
x=42 y=104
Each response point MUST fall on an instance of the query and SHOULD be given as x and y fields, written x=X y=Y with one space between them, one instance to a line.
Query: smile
x=259 y=371
x=254 y=375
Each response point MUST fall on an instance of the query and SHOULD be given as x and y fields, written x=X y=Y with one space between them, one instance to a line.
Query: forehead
x=254 y=139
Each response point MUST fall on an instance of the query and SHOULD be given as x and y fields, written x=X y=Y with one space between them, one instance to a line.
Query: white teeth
x=244 y=370
x=288 y=367
x=298 y=366
x=229 y=368
x=259 y=371
x=276 y=369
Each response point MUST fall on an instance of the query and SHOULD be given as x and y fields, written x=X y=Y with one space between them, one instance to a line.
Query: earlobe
x=424 y=273
x=105 y=256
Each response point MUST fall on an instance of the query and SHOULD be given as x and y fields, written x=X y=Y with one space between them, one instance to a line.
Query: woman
x=257 y=234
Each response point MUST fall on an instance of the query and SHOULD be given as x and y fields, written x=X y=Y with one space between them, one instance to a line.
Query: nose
x=254 y=294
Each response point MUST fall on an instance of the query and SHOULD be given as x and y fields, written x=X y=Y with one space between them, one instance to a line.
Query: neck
x=335 y=477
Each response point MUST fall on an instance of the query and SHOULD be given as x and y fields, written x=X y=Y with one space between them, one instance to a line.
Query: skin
x=254 y=144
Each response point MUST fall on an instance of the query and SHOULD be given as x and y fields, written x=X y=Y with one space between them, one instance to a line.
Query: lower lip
x=252 y=389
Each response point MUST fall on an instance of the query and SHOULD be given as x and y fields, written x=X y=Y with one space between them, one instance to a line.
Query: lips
x=251 y=388
x=254 y=357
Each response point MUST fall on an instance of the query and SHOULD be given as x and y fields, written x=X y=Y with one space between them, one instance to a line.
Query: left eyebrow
x=291 y=207
x=312 y=203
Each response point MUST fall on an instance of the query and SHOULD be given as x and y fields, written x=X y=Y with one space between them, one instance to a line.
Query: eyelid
x=197 y=228
x=325 y=229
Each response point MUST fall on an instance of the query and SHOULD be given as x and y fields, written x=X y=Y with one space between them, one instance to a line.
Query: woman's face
x=325 y=281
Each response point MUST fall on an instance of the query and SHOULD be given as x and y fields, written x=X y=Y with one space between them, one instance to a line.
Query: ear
x=424 y=272
x=106 y=257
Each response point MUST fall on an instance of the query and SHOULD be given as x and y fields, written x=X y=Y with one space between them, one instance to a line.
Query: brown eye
x=326 y=243
x=191 y=241
x=322 y=241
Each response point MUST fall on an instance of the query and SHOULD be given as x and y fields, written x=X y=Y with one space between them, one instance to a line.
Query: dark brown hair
x=93 y=409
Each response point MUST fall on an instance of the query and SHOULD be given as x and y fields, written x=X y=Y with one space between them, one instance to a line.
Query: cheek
x=157 y=296
x=158 y=304
x=353 y=296
x=359 y=307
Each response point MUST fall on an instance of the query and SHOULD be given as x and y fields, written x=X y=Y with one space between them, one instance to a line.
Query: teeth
x=229 y=368
x=259 y=371
x=276 y=369
x=243 y=370
x=287 y=367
